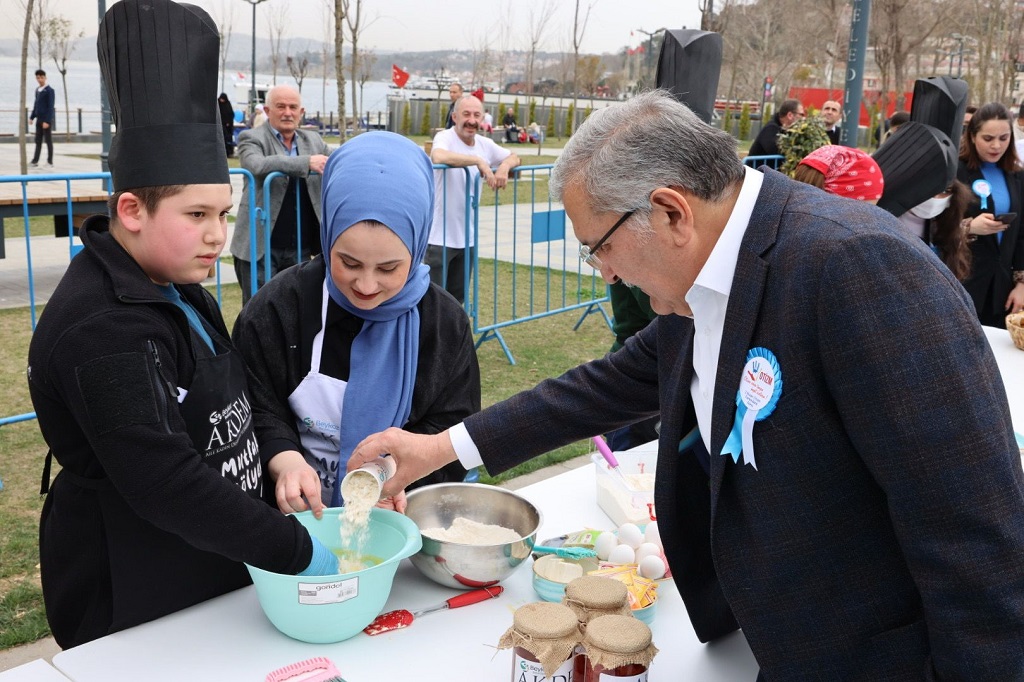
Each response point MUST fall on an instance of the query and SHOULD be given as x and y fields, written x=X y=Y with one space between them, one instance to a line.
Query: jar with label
x=543 y=638
x=618 y=649
x=591 y=596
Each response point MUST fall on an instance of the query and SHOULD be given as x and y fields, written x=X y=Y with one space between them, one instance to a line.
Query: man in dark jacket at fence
x=767 y=142
x=43 y=115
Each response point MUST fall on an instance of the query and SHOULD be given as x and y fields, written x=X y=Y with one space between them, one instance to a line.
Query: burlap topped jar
x=615 y=641
x=549 y=632
x=591 y=596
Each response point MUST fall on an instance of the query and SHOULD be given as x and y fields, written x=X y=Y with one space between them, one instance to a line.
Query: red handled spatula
x=395 y=620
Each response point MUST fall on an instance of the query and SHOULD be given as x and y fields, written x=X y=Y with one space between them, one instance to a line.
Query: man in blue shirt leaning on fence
x=281 y=145
x=461 y=147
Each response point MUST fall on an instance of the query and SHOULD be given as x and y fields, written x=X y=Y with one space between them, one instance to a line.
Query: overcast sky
x=417 y=25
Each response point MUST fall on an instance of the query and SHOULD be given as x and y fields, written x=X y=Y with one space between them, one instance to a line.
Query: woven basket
x=1015 y=325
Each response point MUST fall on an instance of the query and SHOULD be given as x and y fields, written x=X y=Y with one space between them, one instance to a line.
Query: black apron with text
x=106 y=569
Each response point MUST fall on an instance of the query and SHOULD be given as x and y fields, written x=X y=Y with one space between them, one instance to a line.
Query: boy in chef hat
x=138 y=391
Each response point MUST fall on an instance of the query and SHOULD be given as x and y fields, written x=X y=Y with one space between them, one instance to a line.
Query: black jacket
x=44 y=110
x=275 y=330
x=993 y=261
x=766 y=143
x=135 y=515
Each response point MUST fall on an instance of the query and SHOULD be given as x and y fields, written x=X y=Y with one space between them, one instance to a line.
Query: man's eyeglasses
x=589 y=254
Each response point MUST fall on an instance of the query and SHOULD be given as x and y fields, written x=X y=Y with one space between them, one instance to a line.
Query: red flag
x=399 y=77
x=478 y=93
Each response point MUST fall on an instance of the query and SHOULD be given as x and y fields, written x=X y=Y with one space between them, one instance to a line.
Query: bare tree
x=579 y=28
x=328 y=28
x=899 y=28
x=40 y=13
x=227 y=19
x=60 y=45
x=277 y=20
x=480 y=57
x=537 y=25
x=29 y=6
x=590 y=69
x=297 y=68
x=353 y=19
x=339 y=71
x=367 y=60
x=503 y=31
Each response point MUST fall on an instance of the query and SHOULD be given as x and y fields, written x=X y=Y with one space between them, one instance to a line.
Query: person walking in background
x=280 y=146
x=454 y=93
x=988 y=166
x=259 y=116
x=461 y=147
x=44 y=113
x=227 y=121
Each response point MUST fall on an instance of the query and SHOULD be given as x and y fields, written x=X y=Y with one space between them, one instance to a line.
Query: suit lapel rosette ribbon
x=760 y=388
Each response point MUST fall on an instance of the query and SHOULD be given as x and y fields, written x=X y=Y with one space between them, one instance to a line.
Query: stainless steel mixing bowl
x=465 y=566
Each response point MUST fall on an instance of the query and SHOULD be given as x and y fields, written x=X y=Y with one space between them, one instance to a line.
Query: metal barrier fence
x=540 y=259
x=524 y=240
x=773 y=161
x=73 y=246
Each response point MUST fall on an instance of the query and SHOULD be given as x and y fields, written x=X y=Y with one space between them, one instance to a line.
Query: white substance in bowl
x=468 y=532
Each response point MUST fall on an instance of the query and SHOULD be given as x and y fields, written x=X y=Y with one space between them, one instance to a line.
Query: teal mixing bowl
x=332 y=608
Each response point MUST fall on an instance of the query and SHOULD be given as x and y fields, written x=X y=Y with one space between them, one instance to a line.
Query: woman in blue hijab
x=358 y=339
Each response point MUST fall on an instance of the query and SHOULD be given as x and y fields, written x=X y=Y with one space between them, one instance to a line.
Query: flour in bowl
x=468 y=532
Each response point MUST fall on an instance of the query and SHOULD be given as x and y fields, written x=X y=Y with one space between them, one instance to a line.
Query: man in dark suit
x=866 y=521
x=831 y=112
x=767 y=143
x=44 y=113
x=280 y=145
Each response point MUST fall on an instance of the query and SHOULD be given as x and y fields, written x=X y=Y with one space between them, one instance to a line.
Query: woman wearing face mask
x=937 y=222
x=988 y=166
x=358 y=340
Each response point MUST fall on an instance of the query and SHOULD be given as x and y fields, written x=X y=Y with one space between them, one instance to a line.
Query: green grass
x=542 y=348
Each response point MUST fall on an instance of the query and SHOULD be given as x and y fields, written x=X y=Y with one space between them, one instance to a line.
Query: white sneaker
x=34 y=164
x=49 y=165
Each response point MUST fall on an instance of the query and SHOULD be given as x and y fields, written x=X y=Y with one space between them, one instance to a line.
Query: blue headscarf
x=384 y=177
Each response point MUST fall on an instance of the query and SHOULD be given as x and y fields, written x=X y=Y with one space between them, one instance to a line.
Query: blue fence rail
x=526 y=233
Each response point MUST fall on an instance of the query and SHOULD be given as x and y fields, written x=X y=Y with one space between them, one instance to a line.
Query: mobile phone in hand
x=1006 y=218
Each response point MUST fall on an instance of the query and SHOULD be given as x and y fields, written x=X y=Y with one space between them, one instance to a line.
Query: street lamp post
x=650 y=50
x=253 y=98
x=960 y=39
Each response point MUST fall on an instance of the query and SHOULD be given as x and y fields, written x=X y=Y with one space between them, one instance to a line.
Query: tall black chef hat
x=689 y=66
x=940 y=101
x=917 y=162
x=159 y=63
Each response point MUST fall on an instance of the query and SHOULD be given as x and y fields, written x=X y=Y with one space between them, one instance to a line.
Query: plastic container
x=622 y=504
x=375 y=473
x=322 y=609
x=551 y=574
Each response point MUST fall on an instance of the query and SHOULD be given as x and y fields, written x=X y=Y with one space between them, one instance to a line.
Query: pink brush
x=318 y=669
x=609 y=457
